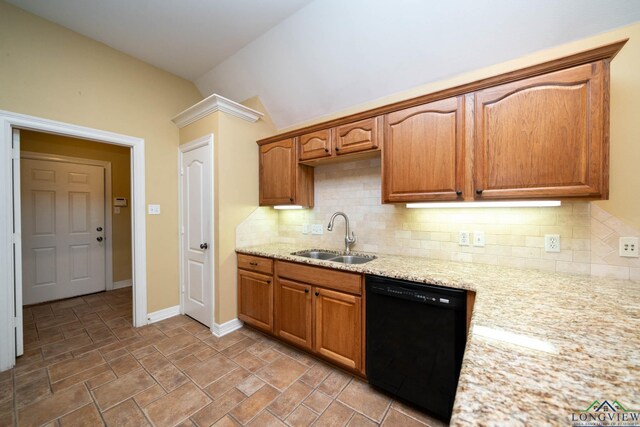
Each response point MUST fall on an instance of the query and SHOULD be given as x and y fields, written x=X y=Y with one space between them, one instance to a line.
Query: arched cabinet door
x=544 y=136
x=423 y=155
x=282 y=180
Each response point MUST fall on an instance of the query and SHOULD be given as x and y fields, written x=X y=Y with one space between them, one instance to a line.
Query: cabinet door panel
x=294 y=312
x=543 y=136
x=315 y=145
x=255 y=299
x=338 y=327
x=423 y=157
x=277 y=173
x=358 y=136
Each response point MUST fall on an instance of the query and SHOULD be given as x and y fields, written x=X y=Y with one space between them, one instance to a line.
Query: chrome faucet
x=348 y=240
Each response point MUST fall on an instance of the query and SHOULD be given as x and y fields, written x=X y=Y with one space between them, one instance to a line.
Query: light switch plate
x=629 y=247
x=305 y=228
x=154 y=209
x=464 y=238
x=478 y=238
x=317 y=229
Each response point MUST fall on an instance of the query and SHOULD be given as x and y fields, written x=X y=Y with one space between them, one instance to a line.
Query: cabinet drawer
x=330 y=279
x=254 y=263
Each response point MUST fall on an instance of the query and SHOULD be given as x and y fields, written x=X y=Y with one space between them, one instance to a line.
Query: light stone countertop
x=542 y=345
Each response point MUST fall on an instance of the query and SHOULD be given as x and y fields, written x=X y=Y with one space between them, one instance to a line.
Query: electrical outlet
x=305 y=228
x=552 y=243
x=629 y=247
x=317 y=229
x=478 y=238
x=464 y=238
x=154 y=209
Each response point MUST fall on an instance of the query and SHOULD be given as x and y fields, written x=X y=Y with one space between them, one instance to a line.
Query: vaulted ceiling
x=309 y=58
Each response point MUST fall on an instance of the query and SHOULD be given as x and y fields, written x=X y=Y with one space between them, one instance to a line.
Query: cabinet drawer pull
x=317 y=294
x=458 y=193
x=253 y=263
x=306 y=291
x=479 y=191
x=268 y=281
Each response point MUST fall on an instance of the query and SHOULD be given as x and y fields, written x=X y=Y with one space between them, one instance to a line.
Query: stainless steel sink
x=352 y=259
x=335 y=256
x=316 y=254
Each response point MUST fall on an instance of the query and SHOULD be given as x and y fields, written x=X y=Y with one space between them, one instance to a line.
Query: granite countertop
x=542 y=346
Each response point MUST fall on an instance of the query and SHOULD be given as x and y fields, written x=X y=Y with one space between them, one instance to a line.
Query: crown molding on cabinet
x=210 y=105
x=607 y=52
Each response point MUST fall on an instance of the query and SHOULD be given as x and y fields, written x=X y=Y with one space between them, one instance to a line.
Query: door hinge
x=15 y=322
x=181 y=171
x=14 y=238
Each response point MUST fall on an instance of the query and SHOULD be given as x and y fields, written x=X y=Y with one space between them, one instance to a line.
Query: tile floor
x=85 y=365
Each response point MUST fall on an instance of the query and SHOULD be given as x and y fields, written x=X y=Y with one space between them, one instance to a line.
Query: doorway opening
x=83 y=212
x=76 y=231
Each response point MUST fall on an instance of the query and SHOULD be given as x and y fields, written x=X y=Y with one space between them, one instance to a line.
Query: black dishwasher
x=416 y=335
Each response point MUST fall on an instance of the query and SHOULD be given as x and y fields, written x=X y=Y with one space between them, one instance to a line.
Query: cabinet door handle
x=326 y=150
x=458 y=193
x=291 y=199
x=253 y=263
x=317 y=294
x=306 y=291
x=268 y=281
x=337 y=149
x=479 y=191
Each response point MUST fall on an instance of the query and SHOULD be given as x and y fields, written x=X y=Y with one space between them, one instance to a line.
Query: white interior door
x=63 y=248
x=197 y=244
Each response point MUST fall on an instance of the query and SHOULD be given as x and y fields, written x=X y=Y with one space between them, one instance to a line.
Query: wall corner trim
x=165 y=313
x=210 y=105
x=220 y=329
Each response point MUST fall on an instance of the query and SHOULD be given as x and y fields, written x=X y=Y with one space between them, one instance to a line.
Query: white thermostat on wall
x=120 y=201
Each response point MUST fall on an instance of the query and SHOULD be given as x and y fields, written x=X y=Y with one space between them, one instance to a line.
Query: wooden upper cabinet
x=358 y=136
x=423 y=156
x=544 y=136
x=314 y=145
x=282 y=180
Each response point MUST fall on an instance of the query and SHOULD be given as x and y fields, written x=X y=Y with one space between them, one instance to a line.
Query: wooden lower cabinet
x=338 y=327
x=255 y=299
x=294 y=313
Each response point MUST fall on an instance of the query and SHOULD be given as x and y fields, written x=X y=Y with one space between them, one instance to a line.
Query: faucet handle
x=351 y=239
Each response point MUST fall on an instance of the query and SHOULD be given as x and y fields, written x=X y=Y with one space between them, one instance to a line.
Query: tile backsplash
x=513 y=236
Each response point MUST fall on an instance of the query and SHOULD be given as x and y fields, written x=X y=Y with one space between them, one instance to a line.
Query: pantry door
x=196 y=227
x=63 y=220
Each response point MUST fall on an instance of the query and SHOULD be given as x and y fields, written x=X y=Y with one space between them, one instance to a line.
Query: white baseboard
x=122 y=284
x=165 y=313
x=226 y=327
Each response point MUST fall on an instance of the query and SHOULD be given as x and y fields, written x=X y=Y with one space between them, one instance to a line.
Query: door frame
x=203 y=141
x=108 y=211
x=9 y=273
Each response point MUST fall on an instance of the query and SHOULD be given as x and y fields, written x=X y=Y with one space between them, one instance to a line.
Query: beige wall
x=120 y=160
x=51 y=72
x=623 y=201
x=235 y=191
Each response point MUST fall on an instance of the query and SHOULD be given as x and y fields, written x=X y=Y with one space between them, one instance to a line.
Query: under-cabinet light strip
x=514 y=204
x=287 y=207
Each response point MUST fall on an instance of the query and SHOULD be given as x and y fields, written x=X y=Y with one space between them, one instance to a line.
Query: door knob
x=99 y=239
x=99 y=229
x=203 y=246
